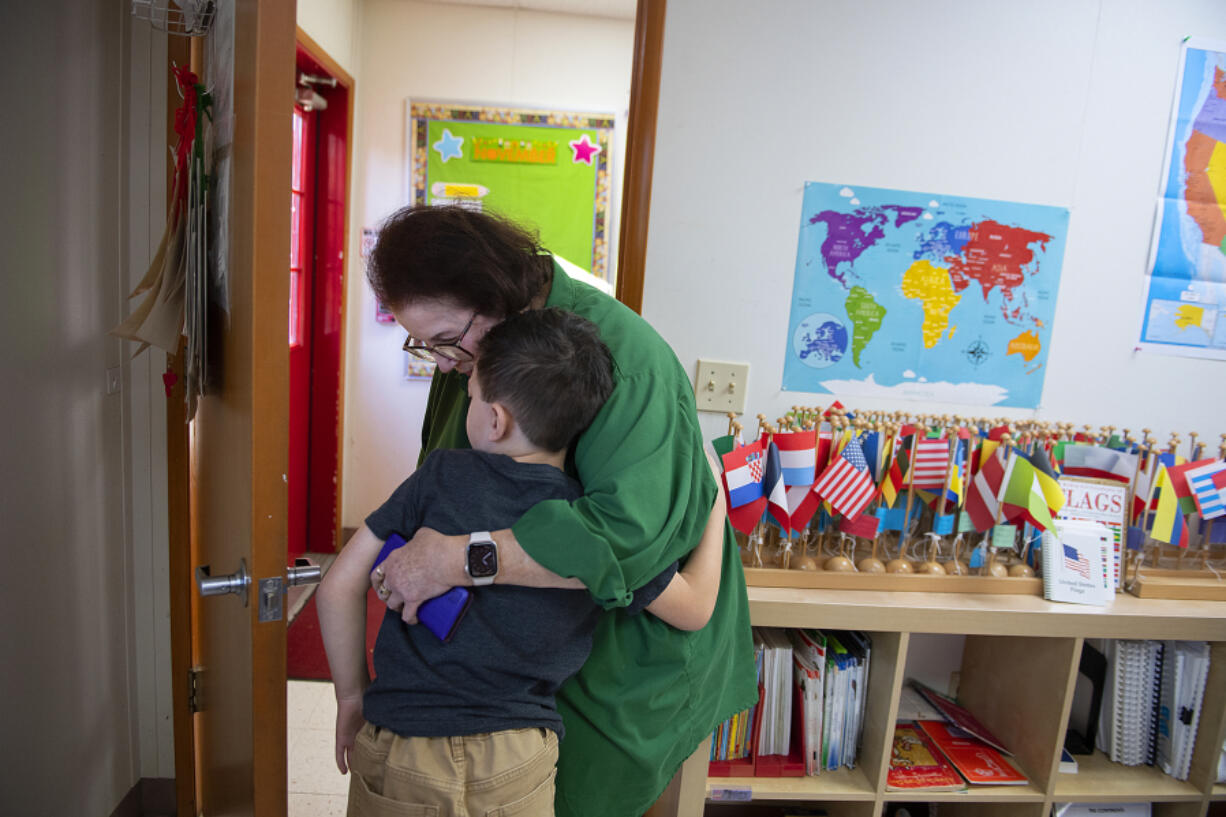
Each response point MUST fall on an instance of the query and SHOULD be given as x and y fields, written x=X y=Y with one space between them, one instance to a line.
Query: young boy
x=471 y=725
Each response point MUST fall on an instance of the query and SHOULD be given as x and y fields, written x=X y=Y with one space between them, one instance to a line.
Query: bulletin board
x=547 y=169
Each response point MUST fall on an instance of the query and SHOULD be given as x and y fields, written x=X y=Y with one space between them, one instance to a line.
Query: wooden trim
x=344 y=79
x=178 y=505
x=640 y=151
x=330 y=65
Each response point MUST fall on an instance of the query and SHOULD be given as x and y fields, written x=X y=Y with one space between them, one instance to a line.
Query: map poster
x=548 y=170
x=1185 y=293
x=923 y=296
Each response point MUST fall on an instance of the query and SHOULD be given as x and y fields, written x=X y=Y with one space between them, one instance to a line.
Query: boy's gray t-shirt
x=515 y=645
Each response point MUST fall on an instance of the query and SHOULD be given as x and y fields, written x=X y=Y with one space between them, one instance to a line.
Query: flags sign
x=1208 y=484
x=1075 y=562
x=797 y=456
x=1099 y=463
x=929 y=463
x=743 y=471
x=846 y=484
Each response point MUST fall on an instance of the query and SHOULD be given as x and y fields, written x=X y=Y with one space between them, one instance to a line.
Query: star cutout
x=449 y=146
x=584 y=150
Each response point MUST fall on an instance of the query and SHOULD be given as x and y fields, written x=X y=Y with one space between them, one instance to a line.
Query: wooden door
x=238 y=439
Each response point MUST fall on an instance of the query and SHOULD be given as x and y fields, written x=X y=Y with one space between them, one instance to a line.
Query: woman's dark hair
x=550 y=368
x=482 y=261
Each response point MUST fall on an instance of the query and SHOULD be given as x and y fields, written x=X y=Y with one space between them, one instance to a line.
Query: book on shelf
x=1101 y=810
x=916 y=764
x=1074 y=554
x=809 y=657
x=1185 y=668
x=1127 y=727
x=974 y=759
x=1099 y=501
x=959 y=716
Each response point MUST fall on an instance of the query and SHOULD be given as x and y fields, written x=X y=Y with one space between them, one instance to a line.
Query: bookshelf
x=1018 y=673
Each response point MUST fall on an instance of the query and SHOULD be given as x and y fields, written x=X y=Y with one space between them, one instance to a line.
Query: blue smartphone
x=441 y=614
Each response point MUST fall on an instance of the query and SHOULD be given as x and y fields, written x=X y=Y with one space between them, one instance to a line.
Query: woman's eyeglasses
x=452 y=350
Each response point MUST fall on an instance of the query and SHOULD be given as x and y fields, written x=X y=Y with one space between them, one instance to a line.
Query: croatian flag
x=1075 y=562
x=743 y=472
x=797 y=456
x=1208 y=483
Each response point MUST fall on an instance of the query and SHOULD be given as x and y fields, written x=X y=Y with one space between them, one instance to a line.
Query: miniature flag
x=802 y=504
x=772 y=485
x=797 y=456
x=1053 y=494
x=1169 y=525
x=723 y=445
x=1178 y=479
x=864 y=526
x=1208 y=483
x=846 y=485
x=929 y=463
x=891 y=483
x=981 y=499
x=1074 y=561
x=1023 y=497
x=743 y=471
x=1099 y=463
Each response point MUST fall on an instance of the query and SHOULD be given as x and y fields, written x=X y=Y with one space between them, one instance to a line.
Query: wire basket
x=186 y=18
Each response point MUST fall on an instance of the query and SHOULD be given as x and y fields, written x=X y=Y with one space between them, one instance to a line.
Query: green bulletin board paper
x=548 y=170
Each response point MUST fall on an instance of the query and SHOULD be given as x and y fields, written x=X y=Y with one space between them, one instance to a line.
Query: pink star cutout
x=584 y=150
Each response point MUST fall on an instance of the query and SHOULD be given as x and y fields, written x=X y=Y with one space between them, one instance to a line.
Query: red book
x=960 y=717
x=916 y=764
x=978 y=762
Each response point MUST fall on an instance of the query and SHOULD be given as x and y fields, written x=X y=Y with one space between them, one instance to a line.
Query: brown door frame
x=640 y=151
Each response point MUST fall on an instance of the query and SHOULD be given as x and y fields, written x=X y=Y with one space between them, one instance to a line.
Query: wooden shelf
x=1098 y=779
x=844 y=784
x=1018 y=675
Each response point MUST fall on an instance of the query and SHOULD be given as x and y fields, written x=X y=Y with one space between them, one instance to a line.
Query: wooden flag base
x=914 y=582
x=1198 y=585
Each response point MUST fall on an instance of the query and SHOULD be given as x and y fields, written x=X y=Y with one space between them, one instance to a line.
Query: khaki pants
x=496 y=774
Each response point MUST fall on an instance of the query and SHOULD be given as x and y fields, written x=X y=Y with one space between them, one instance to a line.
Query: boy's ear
x=501 y=422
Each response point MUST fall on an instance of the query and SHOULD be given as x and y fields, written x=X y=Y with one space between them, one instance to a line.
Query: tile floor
x=316 y=788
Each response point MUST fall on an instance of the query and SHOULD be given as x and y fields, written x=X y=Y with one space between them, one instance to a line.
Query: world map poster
x=1185 y=295
x=923 y=296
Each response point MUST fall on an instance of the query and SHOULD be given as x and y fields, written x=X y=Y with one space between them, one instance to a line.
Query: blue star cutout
x=449 y=146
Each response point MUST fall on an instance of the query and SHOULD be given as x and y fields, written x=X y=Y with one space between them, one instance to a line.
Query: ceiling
x=616 y=9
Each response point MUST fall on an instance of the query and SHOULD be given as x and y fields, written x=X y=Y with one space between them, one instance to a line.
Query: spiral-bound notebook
x=1184 y=673
x=1074 y=553
x=1128 y=724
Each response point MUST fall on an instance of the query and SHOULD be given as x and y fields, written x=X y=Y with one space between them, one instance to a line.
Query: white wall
x=333 y=25
x=459 y=54
x=83 y=592
x=1058 y=102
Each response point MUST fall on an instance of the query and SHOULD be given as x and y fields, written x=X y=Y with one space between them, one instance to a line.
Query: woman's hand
x=428 y=566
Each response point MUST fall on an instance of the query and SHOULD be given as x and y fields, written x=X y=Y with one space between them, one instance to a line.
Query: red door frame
x=315 y=525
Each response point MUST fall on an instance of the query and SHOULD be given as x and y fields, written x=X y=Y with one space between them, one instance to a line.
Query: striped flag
x=1098 y=462
x=1177 y=477
x=982 y=503
x=797 y=456
x=846 y=484
x=1075 y=562
x=772 y=485
x=1208 y=483
x=743 y=472
x=929 y=463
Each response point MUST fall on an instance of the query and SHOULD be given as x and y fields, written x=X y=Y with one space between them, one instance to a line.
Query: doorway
x=318 y=229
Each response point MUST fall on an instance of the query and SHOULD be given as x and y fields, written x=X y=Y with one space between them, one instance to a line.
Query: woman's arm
x=689 y=599
x=432 y=563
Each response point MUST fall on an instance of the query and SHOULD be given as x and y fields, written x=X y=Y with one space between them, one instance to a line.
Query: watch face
x=482 y=560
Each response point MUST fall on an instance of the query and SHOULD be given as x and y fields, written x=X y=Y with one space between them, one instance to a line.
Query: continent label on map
x=902 y=266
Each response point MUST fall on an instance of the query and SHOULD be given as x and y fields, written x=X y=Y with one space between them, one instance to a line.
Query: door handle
x=303 y=572
x=236 y=582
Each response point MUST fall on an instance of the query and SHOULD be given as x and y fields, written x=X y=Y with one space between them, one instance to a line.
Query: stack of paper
x=777 y=683
x=846 y=682
x=809 y=655
x=1130 y=701
x=1184 y=672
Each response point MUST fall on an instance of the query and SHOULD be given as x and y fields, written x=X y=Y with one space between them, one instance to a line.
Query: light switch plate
x=721 y=386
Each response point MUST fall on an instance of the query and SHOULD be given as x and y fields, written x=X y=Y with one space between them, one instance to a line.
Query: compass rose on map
x=978 y=352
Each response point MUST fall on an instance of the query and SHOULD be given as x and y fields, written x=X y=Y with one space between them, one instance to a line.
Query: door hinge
x=193 y=689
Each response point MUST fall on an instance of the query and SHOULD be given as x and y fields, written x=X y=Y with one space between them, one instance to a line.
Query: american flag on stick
x=847 y=484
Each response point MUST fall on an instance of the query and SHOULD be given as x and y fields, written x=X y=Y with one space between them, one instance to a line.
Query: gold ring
x=383 y=592
x=379 y=572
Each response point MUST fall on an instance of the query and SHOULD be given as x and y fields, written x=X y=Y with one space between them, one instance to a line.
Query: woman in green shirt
x=649 y=693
